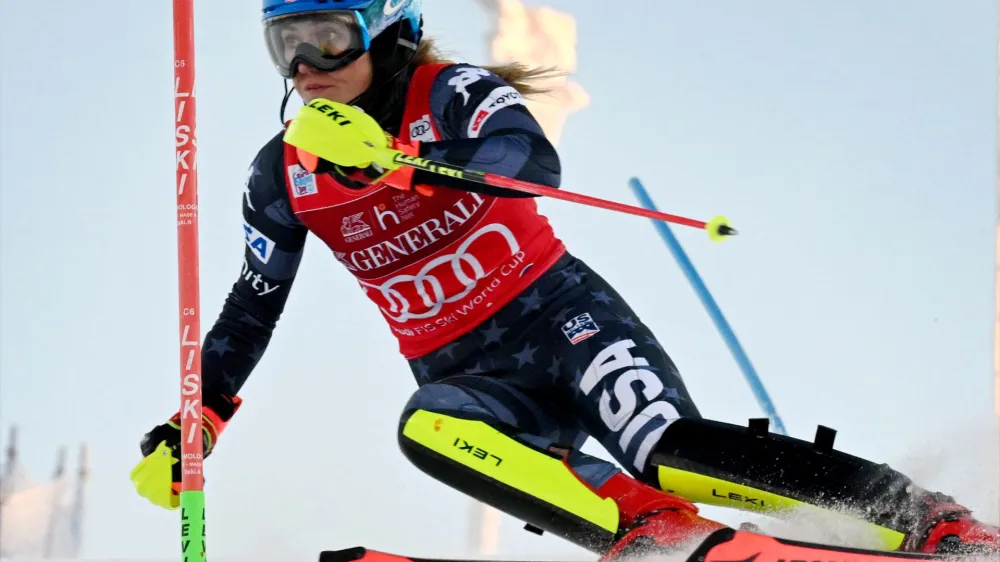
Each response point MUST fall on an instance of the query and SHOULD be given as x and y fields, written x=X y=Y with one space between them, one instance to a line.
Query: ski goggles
x=325 y=40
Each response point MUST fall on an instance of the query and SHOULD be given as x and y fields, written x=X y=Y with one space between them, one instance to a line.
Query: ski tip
x=344 y=555
x=360 y=554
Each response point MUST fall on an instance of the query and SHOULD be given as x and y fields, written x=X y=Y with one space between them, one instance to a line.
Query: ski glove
x=157 y=477
x=349 y=144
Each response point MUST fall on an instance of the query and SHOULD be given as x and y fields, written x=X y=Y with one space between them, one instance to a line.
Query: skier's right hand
x=157 y=477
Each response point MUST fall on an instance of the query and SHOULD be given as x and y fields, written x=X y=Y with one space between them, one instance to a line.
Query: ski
x=362 y=554
x=724 y=545
x=728 y=545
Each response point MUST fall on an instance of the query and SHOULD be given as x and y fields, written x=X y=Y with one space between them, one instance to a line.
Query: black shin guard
x=752 y=469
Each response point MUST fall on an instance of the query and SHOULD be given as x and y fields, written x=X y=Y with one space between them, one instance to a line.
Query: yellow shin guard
x=529 y=484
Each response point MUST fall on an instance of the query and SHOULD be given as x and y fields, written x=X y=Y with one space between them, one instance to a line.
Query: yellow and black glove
x=157 y=477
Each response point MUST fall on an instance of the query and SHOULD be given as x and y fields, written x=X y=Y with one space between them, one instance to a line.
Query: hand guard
x=344 y=141
x=157 y=477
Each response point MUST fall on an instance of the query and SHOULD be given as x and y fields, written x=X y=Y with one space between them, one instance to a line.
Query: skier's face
x=341 y=86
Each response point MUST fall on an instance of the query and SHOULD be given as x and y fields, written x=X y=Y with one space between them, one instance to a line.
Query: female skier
x=519 y=349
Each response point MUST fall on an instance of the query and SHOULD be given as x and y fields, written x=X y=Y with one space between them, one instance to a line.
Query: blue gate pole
x=763 y=399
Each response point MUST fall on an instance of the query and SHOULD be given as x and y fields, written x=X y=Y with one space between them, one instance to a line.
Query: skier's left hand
x=345 y=141
x=157 y=477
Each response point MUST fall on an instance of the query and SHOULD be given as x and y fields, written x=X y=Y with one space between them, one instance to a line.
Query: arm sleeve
x=488 y=129
x=274 y=241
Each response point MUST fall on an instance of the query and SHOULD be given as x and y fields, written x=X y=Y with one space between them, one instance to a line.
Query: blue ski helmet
x=331 y=34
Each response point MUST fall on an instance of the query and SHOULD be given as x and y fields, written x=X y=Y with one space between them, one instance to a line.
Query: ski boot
x=651 y=521
x=949 y=528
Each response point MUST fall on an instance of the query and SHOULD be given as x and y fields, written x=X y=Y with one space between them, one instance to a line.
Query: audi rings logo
x=420 y=130
x=430 y=288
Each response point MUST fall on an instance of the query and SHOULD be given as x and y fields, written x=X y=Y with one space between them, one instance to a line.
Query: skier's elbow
x=541 y=163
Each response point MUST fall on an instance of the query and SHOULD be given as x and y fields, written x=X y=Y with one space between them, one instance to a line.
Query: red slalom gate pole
x=192 y=495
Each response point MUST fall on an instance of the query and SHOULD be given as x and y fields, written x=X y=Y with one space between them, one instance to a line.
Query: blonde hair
x=522 y=78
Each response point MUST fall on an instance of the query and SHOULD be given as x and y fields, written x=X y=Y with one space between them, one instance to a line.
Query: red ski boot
x=651 y=521
x=949 y=528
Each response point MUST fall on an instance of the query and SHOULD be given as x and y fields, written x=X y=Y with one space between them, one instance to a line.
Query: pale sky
x=850 y=142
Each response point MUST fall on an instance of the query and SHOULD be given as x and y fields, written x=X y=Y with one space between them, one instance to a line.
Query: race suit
x=499 y=322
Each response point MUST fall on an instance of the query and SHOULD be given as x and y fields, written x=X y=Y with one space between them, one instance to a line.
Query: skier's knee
x=447 y=398
x=444 y=402
x=447 y=402
x=494 y=467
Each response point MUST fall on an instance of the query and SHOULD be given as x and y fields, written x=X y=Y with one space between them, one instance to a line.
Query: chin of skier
x=519 y=349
